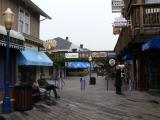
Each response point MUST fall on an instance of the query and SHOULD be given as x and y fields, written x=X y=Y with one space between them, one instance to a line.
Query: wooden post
x=141 y=15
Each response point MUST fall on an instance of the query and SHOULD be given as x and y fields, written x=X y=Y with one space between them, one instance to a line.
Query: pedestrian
x=83 y=83
x=44 y=84
x=118 y=81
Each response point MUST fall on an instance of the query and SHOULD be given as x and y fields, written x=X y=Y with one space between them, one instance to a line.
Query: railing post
x=141 y=15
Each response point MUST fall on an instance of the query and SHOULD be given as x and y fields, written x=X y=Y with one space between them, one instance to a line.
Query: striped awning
x=16 y=38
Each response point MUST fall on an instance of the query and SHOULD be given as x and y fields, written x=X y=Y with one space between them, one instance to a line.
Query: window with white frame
x=24 y=21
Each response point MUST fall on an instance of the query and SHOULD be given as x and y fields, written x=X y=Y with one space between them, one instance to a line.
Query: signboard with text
x=99 y=54
x=120 y=22
x=117 y=6
x=71 y=55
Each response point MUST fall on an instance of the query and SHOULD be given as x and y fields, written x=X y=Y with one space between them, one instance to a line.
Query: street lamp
x=90 y=60
x=8 y=21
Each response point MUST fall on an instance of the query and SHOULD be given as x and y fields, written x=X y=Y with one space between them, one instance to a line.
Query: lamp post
x=8 y=21
x=90 y=60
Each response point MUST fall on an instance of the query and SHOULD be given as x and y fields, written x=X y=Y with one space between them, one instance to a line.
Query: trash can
x=92 y=81
x=23 y=97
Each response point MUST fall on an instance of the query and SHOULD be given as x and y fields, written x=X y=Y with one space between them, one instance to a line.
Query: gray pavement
x=95 y=103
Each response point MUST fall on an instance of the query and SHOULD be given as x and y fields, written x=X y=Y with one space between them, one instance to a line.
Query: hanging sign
x=120 y=22
x=50 y=44
x=116 y=31
x=112 y=62
x=117 y=6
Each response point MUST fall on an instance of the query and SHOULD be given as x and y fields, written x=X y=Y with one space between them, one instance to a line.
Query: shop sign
x=71 y=55
x=99 y=54
x=117 y=6
x=120 y=22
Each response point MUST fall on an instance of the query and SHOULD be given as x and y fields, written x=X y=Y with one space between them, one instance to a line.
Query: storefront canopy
x=152 y=43
x=75 y=65
x=13 y=33
x=17 y=39
x=31 y=57
x=128 y=56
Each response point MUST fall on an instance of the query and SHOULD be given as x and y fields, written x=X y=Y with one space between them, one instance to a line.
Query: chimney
x=81 y=46
x=67 y=38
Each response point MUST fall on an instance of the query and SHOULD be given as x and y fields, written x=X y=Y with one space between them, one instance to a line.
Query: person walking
x=118 y=81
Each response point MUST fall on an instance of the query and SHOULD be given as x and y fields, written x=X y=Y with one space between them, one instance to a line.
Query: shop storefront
x=151 y=51
x=16 y=44
x=31 y=64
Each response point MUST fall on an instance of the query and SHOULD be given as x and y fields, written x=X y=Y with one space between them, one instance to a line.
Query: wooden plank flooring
x=95 y=103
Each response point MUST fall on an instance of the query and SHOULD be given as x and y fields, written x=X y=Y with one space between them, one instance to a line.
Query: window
x=24 y=21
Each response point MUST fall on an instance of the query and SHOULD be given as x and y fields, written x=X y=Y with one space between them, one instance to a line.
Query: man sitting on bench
x=44 y=84
x=37 y=91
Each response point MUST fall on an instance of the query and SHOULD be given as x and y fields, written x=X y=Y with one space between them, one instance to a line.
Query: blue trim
x=35 y=58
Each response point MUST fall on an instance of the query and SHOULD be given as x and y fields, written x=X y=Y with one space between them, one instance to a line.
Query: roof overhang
x=36 y=8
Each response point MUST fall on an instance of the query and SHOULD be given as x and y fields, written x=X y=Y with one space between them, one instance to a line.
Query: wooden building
x=25 y=58
x=144 y=18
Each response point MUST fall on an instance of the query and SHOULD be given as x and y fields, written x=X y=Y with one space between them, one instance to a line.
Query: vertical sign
x=117 y=5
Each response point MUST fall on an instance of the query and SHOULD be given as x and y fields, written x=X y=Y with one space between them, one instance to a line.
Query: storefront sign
x=99 y=54
x=120 y=22
x=117 y=5
x=71 y=55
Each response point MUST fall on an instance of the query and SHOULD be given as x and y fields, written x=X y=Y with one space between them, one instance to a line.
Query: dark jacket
x=118 y=81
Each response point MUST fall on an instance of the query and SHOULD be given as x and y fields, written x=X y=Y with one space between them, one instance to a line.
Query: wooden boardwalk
x=95 y=103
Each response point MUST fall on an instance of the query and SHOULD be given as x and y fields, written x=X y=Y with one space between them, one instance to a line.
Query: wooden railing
x=145 y=16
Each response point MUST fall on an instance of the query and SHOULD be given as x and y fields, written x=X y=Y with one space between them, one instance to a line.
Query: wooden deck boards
x=95 y=103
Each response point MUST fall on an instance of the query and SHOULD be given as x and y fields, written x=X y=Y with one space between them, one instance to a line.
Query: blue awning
x=31 y=57
x=128 y=56
x=152 y=43
x=75 y=65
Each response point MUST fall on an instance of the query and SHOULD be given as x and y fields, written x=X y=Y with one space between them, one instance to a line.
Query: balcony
x=145 y=18
x=144 y=24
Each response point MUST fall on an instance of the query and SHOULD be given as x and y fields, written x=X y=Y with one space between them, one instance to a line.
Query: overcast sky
x=87 y=22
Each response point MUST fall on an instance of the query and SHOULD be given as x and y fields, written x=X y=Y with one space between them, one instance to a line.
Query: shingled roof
x=62 y=44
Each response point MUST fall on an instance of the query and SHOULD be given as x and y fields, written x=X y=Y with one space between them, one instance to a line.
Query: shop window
x=27 y=74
